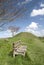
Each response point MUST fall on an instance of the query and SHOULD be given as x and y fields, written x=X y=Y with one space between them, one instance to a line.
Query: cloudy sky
x=32 y=20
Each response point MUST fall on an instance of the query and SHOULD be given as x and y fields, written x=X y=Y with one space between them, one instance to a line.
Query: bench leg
x=14 y=54
x=24 y=54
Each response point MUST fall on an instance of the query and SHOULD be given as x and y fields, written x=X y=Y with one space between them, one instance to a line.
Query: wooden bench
x=18 y=48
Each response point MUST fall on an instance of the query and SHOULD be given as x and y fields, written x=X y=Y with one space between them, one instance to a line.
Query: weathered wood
x=18 y=48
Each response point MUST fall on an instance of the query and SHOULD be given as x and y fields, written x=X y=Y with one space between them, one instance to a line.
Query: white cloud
x=34 y=29
x=5 y=34
x=24 y=2
x=41 y=5
x=28 y=0
x=33 y=25
x=37 y=12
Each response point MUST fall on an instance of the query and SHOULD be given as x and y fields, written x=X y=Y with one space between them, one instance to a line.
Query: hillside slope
x=42 y=39
x=34 y=55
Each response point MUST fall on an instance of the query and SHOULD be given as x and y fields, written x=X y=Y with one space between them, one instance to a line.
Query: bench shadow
x=26 y=57
x=11 y=53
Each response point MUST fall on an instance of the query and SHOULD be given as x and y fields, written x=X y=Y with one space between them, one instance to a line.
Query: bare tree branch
x=9 y=11
x=13 y=29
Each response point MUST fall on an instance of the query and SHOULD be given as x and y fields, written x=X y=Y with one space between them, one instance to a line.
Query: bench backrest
x=17 y=44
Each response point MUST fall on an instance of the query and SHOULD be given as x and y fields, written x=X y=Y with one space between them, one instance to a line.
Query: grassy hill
x=42 y=39
x=34 y=55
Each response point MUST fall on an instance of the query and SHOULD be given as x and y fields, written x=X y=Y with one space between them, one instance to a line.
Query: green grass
x=34 y=54
x=42 y=39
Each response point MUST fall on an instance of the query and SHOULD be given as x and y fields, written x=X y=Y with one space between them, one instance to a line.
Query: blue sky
x=32 y=20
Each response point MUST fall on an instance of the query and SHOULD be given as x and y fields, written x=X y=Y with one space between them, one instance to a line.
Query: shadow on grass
x=21 y=60
x=26 y=57
x=11 y=53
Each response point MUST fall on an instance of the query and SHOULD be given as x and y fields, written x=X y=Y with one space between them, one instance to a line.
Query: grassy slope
x=35 y=51
x=42 y=39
